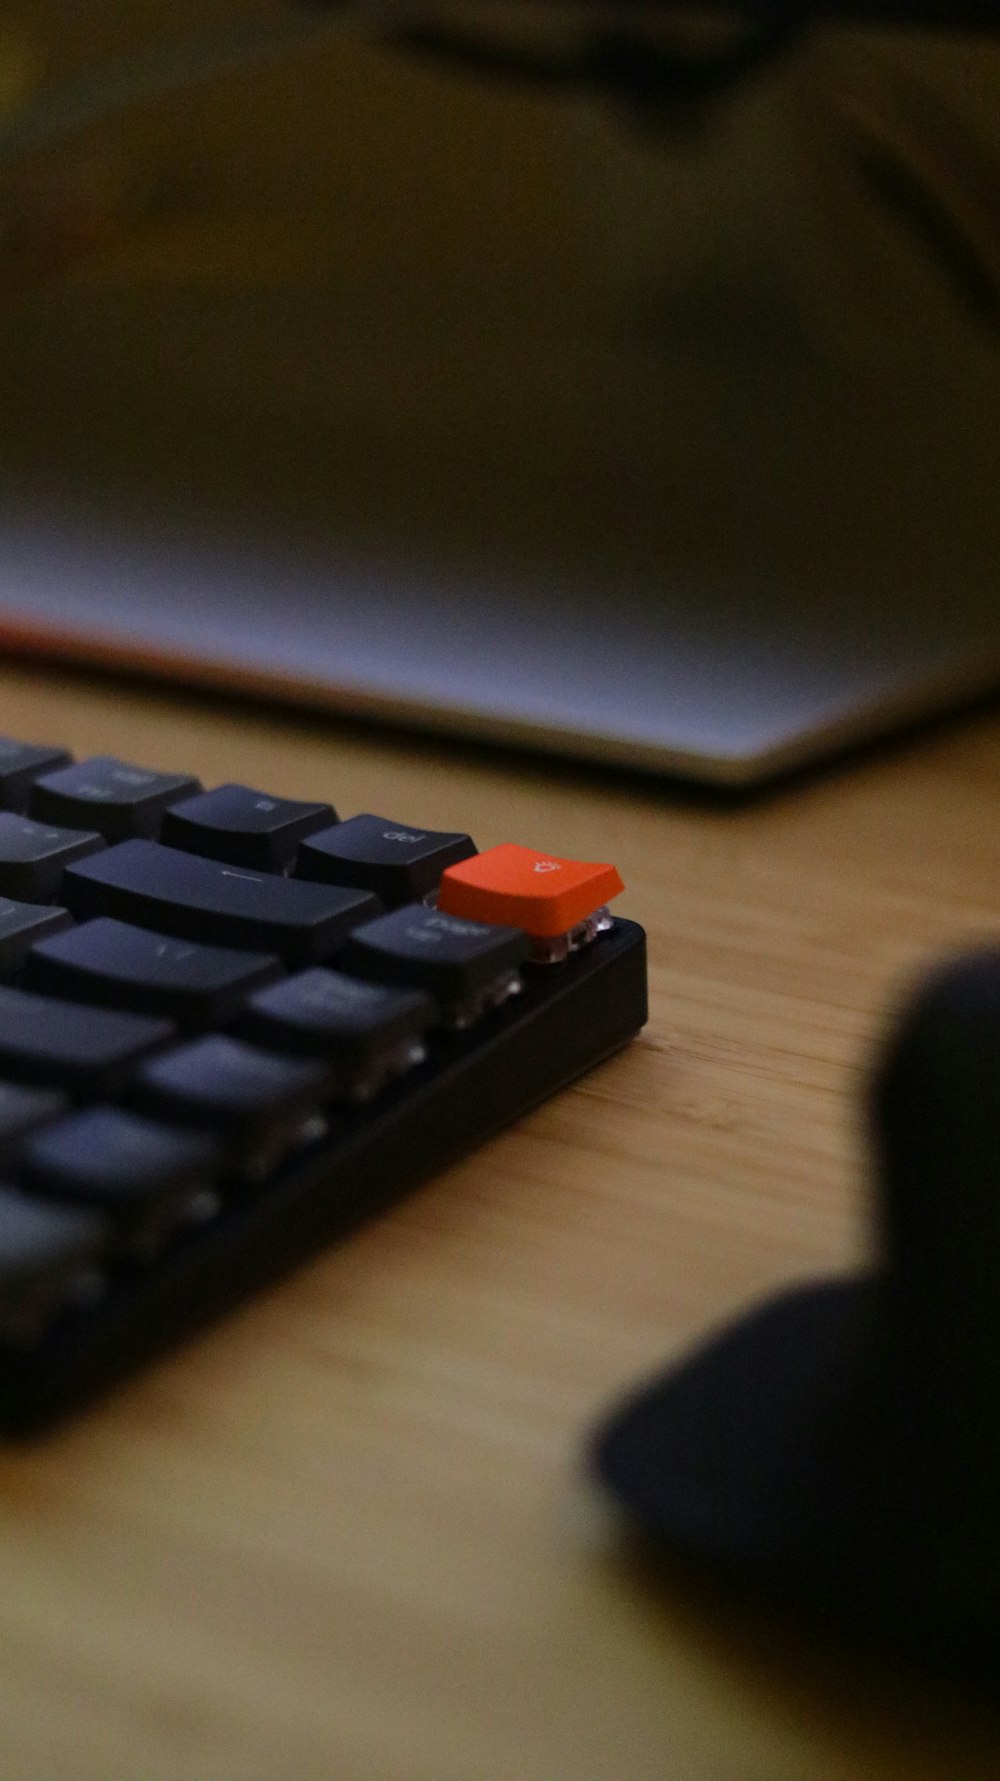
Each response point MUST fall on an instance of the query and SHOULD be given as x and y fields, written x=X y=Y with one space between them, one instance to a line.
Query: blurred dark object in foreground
x=838 y=1451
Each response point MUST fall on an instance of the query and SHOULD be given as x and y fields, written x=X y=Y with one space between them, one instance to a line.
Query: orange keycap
x=516 y=887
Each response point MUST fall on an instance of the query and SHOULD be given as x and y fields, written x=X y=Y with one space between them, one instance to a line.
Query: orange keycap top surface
x=519 y=888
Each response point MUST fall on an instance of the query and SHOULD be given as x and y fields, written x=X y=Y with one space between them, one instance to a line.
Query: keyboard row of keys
x=366 y=853
x=246 y=831
x=104 y=797
x=110 y=799
x=300 y=1044
x=143 y=905
x=116 y=965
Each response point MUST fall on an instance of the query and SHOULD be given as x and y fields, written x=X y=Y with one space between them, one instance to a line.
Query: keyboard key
x=21 y=924
x=62 y=1045
x=195 y=899
x=148 y=1177
x=44 y=1252
x=20 y=765
x=465 y=965
x=243 y=827
x=520 y=888
x=258 y=1101
x=22 y=1109
x=120 y=966
x=366 y=1032
x=373 y=853
x=34 y=856
x=109 y=795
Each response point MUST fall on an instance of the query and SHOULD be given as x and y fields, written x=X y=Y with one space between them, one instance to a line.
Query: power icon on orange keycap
x=516 y=887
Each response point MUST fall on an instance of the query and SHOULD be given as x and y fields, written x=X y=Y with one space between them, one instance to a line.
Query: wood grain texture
x=346 y=1535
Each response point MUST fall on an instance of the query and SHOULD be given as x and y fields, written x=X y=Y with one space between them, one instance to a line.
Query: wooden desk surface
x=344 y=1537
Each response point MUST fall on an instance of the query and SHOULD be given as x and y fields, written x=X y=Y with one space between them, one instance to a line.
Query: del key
x=397 y=863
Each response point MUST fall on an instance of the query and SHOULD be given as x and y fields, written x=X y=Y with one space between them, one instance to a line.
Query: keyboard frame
x=571 y=1017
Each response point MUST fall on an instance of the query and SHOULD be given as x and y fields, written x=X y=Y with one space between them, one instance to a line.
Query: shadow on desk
x=858 y=1698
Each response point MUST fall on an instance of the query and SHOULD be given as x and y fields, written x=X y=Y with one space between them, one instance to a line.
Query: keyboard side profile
x=190 y=1107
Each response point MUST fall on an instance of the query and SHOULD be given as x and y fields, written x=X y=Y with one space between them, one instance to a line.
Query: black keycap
x=62 y=1045
x=34 y=856
x=20 y=765
x=253 y=1097
x=353 y=1026
x=243 y=827
x=398 y=863
x=149 y=1177
x=22 y=1109
x=195 y=899
x=460 y=963
x=44 y=1252
x=21 y=924
x=109 y=795
x=120 y=966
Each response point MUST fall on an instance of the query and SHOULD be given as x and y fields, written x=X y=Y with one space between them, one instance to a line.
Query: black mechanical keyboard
x=233 y=1025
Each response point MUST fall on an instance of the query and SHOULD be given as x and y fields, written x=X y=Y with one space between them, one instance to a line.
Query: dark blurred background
x=354 y=293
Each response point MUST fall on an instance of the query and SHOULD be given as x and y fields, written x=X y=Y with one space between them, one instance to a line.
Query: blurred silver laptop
x=353 y=382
